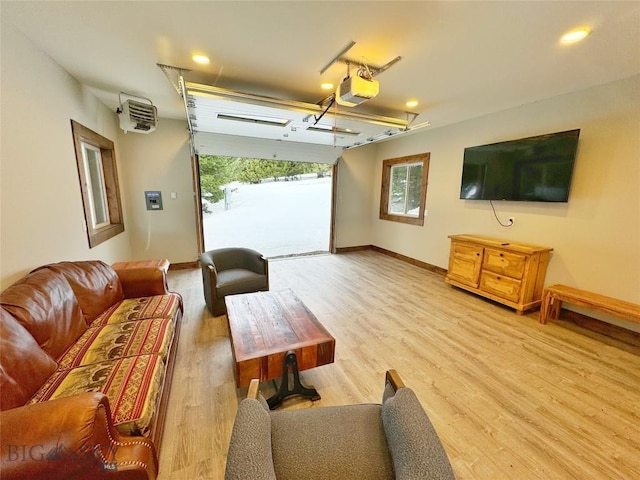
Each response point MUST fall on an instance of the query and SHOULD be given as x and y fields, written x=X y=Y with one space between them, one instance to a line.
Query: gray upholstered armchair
x=394 y=440
x=228 y=271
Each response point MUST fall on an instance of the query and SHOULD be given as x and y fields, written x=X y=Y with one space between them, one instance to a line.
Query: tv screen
x=536 y=169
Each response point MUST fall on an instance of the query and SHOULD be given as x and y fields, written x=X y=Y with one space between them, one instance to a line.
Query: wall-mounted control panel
x=154 y=200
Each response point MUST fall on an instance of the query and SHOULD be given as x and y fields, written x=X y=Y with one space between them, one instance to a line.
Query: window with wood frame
x=404 y=189
x=96 y=161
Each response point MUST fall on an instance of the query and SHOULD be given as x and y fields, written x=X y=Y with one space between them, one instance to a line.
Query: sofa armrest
x=142 y=282
x=71 y=437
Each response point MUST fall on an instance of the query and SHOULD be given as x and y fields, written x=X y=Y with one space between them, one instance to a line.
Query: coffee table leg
x=291 y=361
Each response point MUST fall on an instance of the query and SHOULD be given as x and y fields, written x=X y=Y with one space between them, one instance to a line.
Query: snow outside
x=275 y=218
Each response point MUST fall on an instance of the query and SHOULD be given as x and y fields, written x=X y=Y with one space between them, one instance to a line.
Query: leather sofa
x=86 y=360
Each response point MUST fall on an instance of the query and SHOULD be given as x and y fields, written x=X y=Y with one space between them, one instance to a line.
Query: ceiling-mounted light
x=411 y=103
x=327 y=86
x=201 y=59
x=575 y=35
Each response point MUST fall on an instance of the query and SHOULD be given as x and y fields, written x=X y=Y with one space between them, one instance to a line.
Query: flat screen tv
x=536 y=169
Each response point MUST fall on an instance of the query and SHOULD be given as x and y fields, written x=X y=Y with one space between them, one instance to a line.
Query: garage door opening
x=279 y=208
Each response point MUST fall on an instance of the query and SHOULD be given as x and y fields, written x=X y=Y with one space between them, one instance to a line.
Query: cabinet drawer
x=464 y=263
x=504 y=263
x=500 y=285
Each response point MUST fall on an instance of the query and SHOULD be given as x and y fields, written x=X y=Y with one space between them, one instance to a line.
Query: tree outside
x=406 y=183
x=217 y=171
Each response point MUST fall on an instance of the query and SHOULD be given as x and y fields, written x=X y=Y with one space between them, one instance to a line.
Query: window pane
x=97 y=190
x=414 y=188
x=404 y=189
x=98 y=175
x=397 y=190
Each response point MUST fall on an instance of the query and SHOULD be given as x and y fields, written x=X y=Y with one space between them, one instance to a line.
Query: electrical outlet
x=512 y=220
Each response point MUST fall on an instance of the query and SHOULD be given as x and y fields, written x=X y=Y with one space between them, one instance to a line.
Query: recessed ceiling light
x=575 y=35
x=201 y=59
x=411 y=103
x=327 y=86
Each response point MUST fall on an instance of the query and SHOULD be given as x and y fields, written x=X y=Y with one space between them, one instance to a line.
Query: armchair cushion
x=326 y=443
x=414 y=444
x=238 y=280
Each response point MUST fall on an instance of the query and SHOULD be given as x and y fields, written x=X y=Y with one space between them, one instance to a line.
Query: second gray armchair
x=394 y=440
x=229 y=271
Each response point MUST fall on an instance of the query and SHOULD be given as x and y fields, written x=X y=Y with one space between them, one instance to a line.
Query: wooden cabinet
x=511 y=273
x=465 y=262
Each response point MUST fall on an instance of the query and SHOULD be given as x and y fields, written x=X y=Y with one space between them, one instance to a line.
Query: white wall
x=160 y=161
x=41 y=210
x=596 y=236
x=354 y=196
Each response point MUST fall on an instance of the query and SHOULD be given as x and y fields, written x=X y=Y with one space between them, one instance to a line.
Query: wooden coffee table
x=274 y=334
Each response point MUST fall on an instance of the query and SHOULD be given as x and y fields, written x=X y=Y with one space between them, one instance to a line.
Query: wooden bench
x=552 y=298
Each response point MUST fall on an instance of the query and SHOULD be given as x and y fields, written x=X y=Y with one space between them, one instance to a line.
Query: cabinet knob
x=502 y=254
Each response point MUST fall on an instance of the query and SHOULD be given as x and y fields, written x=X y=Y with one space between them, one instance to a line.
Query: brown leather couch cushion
x=25 y=366
x=95 y=284
x=44 y=303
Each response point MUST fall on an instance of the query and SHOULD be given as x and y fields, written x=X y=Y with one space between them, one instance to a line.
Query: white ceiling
x=460 y=60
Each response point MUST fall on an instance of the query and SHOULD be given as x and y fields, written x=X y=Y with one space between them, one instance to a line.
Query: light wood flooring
x=509 y=397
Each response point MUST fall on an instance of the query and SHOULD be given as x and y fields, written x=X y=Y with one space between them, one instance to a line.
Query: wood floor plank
x=509 y=397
